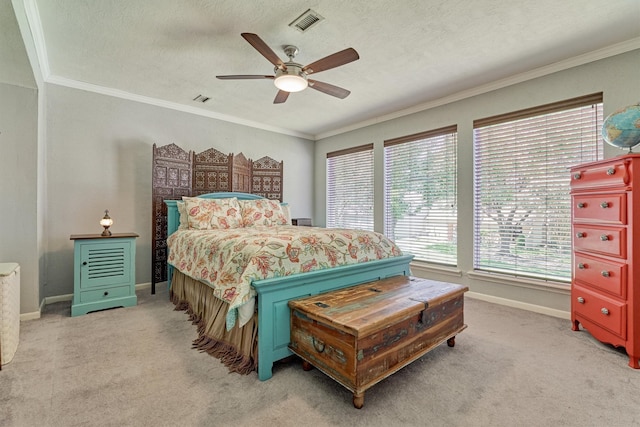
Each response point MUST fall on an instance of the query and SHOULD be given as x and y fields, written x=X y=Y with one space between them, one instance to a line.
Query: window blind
x=420 y=184
x=350 y=188
x=522 y=207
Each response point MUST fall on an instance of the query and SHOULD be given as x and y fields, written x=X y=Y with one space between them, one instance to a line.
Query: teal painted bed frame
x=275 y=293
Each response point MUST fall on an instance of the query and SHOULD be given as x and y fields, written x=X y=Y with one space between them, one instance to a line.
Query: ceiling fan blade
x=281 y=97
x=243 y=77
x=329 y=89
x=264 y=49
x=332 y=61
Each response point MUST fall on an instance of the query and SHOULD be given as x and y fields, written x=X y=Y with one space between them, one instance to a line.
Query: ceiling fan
x=293 y=77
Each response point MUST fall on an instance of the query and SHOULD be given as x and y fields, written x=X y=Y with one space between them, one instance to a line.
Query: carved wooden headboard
x=178 y=173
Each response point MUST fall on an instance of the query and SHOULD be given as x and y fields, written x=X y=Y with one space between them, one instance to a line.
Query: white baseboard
x=521 y=305
x=33 y=315
x=61 y=298
x=488 y=298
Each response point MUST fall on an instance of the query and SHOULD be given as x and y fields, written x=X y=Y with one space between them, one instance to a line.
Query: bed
x=263 y=329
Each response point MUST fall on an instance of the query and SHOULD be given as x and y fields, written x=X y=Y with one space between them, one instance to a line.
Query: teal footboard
x=274 y=295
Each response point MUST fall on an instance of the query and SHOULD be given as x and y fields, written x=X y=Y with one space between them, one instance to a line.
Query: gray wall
x=18 y=187
x=617 y=77
x=99 y=154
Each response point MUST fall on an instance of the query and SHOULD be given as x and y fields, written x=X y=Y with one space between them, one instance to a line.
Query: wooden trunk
x=361 y=335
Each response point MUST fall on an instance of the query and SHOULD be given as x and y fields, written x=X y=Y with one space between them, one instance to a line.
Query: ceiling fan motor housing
x=292 y=79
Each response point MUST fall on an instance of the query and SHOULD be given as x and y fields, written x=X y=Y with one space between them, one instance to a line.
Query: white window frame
x=522 y=207
x=350 y=188
x=420 y=194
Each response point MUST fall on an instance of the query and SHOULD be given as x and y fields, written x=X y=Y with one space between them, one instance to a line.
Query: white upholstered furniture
x=9 y=310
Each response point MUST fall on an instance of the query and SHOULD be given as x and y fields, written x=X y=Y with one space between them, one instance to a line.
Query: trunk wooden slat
x=361 y=335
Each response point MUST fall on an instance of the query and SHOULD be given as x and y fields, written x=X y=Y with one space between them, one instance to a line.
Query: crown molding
x=35 y=27
x=62 y=81
x=586 y=58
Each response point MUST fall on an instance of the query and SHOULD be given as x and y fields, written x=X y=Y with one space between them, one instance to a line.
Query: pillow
x=286 y=209
x=182 y=211
x=208 y=214
x=262 y=212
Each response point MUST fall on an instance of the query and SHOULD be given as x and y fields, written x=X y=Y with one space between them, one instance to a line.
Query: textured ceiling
x=412 y=52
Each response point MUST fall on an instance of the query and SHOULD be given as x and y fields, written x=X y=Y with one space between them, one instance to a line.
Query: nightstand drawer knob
x=604 y=237
x=577 y=175
x=604 y=311
x=581 y=205
x=580 y=235
x=581 y=300
x=106 y=293
x=611 y=171
x=604 y=205
x=582 y=266
x=605 y=273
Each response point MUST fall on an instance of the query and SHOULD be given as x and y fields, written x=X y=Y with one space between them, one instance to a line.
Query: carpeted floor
x=134 y=367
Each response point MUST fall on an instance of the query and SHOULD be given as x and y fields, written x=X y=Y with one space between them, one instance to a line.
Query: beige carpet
x=134 y=367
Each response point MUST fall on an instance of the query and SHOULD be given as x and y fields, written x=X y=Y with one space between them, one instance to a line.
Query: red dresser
x=605 y=285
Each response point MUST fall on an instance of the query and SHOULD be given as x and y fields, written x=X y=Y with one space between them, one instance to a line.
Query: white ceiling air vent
x=307 y=20
x=201 y=98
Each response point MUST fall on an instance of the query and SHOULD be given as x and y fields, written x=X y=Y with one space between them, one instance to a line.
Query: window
x=420 y=194
x=350 y=188
x=522 y=206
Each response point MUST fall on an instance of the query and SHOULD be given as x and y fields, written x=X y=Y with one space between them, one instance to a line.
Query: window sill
x=555 y=287
x=435 y=268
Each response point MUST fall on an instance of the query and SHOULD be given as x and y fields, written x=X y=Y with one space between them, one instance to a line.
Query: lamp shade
x=106 y=222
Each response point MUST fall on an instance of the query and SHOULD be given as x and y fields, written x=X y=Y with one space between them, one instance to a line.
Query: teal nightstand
x=104 y=272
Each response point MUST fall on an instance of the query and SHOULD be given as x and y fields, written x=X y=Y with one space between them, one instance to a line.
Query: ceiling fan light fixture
x=290 y=80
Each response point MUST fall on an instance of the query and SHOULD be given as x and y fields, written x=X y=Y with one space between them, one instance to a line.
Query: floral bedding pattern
x=230 y=260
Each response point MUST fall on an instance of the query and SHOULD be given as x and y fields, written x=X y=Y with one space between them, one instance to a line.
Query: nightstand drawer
x=605 y=275
x=606 y=312
x=604 y=240
x=611 y=208
x=105 y=294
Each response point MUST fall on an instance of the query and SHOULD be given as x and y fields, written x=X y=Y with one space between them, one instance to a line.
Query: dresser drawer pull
x=605 y=273
x=581 y=300
x=604 y=311
x=604 y=237
x=577 y=175
x=580 y=235
x=604 y=205
x=106 y=293
x=582 y=266
x=581 y=205
x=318 y=345
x=611 y=171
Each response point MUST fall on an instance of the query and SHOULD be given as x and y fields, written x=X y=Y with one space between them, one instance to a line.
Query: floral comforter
x=230 y=260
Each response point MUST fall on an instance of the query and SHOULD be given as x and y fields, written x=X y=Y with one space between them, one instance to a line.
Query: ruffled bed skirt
x=237 y=349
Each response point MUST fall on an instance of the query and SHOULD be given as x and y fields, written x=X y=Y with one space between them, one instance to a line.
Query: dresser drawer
x=604 y=240
x=608 y=276
x=105 y=294
x=613 y=174
x=606 y=312
x=603 y=208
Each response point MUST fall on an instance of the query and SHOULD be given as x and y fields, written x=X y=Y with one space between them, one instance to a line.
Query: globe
x=622 y=128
